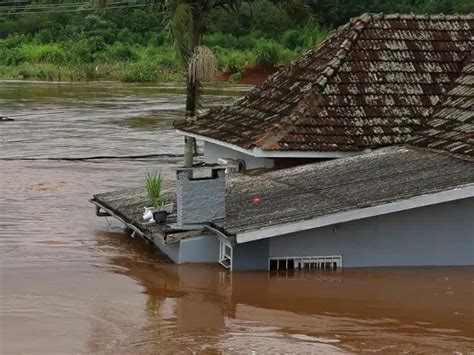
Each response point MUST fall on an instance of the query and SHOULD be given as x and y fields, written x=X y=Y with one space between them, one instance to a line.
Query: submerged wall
x=440 y=234
x=251 y=256
x=212 y=152
x=201 y=249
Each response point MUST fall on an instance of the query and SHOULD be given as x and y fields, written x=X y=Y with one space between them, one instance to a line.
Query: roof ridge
x=413 y=16
x=311 y=95
x=356 y=25
x=422 y=136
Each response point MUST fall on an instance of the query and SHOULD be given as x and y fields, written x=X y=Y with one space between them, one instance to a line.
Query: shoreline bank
x=102 y=73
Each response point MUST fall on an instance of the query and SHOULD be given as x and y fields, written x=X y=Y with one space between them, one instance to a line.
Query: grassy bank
x=23 y=57
x=132 y=45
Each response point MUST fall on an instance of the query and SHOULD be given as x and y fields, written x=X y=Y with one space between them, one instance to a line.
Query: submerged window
x=330 y=262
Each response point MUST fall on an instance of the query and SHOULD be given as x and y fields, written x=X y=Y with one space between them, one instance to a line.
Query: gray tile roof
x=315 y=190
x=452 y=127
x=373 y=83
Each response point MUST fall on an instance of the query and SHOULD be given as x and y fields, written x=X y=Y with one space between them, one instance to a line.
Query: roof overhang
x=260 y=153
x=347 y=216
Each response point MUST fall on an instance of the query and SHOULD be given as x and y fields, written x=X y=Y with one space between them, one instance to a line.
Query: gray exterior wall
x=440 y=234
x=201 y=249
x=212 y=153
x=251 y=256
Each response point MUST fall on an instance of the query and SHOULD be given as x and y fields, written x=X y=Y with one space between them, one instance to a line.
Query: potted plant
x=156 y=209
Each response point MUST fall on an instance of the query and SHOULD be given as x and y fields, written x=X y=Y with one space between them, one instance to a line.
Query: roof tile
x=452 y=126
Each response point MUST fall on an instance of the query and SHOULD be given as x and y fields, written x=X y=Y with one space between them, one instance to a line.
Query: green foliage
x=306 y=37
x=233 y=60
x=262 y=17
x=333 y=13
x=12 y=56
x=121 y=52
x=10 y=53
x=44 y=53
x=268 y=54
x=133 y=45
x=162 y=56
x=294 y=39
x=153 y=185
x=85 y=50
x=219 y=39
x=139 y=72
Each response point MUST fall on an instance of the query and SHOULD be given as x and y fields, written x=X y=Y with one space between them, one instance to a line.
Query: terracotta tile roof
x=372 y=83
x=452 y=126
x=306 y=192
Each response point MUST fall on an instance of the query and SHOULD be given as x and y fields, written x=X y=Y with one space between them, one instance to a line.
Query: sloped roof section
x=372 y=83
x=306 y=192
x=452 y=126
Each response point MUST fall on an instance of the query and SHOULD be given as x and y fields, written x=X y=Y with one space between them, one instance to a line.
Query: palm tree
x=186 y=21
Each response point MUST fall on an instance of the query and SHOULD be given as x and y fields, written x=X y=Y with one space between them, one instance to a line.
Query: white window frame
x=225 y=254
x=308 y=262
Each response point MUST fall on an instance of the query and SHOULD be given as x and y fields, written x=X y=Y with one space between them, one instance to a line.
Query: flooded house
x=358 y=154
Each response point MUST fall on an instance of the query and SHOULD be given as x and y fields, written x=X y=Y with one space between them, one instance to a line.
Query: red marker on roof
x=256 y=200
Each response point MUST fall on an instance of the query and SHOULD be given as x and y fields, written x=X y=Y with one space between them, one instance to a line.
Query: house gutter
x=261 y=153
x=342 y=217
x=118 y=218
x=216 y=231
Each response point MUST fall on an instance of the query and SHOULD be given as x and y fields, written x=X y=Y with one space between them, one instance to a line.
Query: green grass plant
x=153 y=186
x=268 y=54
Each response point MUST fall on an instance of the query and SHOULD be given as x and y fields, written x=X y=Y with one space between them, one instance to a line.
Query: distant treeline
x=128 y=40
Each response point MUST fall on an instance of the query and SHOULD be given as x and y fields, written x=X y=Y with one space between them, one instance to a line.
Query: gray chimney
x=200 y=195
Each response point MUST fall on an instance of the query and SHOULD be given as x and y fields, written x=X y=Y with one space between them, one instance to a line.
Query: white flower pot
x=148 y=214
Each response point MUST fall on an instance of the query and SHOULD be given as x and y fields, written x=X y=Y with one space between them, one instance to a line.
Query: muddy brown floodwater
x=74 y=283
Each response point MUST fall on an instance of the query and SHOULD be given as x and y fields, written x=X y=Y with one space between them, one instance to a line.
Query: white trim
x=341 y=217
x=260 y=153
x=218 y=232
x=218 y=142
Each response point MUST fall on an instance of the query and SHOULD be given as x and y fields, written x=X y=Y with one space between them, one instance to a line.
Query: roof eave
x=347 y=216
x=272 y=154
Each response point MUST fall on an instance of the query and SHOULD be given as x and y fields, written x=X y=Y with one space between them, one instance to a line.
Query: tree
x=186 y=21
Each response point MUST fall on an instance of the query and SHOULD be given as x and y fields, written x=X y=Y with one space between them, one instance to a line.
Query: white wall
x=212 y=152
